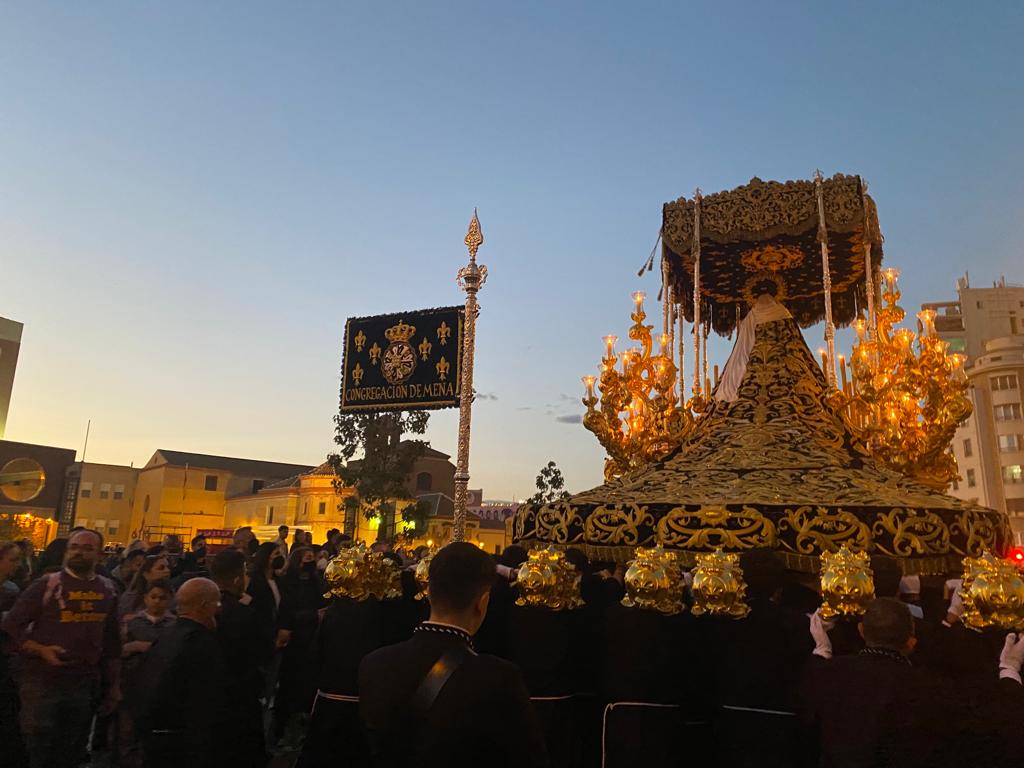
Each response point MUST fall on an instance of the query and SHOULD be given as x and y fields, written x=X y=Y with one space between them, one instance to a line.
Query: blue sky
x=194 y=197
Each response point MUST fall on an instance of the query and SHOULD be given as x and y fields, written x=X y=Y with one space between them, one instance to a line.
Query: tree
x=385 y=460
x=550 y=486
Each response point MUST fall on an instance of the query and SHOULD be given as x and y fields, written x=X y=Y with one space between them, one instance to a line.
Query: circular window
x=22 y=479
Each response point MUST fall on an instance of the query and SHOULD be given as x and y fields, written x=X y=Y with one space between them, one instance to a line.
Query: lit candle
x=891 y=276
x=588 y=382
x=859 y=325
x=663 y=340
x=716 y=375
x=824 y=358
x=842 y=369
x=638 y=298
x=610 y=341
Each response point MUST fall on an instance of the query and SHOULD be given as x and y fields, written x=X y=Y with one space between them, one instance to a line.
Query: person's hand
x=1012 y=656
x=956 y=602
x=819 y=631
x=283 y=638
x=135 y=646
x=51 y=654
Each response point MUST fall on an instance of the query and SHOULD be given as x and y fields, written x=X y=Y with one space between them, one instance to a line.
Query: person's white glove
x=956 y=602
x=1012 y=657
x=819 y=631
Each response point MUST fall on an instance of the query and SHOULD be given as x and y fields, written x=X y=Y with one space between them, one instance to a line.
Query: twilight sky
x=194 y=196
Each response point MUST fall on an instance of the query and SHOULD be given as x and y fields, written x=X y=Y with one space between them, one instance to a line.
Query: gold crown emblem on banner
x=401 y=332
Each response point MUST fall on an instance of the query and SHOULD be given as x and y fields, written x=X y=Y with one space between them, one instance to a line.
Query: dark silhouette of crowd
x=163 y=655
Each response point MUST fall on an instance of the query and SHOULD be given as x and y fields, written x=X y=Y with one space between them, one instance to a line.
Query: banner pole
x=470 y=279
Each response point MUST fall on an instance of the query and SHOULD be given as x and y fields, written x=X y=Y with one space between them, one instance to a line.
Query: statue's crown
x=401 y=332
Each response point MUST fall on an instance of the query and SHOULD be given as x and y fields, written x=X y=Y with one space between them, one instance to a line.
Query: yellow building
x=181 y=492
x=105 y=493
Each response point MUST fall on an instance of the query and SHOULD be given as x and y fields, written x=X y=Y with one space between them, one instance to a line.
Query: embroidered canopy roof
x=777 y=467
x=768 y=231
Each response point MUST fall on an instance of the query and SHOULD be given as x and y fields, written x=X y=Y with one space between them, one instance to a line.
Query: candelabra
x=639 y=419
x=906 y=399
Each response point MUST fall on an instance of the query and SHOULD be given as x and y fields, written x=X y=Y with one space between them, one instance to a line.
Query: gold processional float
x=827 y=462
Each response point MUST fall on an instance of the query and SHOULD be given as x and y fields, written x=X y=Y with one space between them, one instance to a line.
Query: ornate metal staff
x=470 y=279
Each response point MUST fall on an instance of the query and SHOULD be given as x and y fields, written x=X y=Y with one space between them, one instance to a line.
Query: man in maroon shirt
x=65 y=627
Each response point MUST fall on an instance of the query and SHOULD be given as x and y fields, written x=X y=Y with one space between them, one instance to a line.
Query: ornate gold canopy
x=777 y=467
x=770 y=231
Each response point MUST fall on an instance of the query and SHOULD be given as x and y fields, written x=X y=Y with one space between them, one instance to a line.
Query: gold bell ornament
x=548 y=580
x=654 y=581
x=993 y=594
x=718 y=587
x=847 y=583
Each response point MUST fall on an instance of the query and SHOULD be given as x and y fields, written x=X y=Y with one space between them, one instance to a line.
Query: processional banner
x=401 y=362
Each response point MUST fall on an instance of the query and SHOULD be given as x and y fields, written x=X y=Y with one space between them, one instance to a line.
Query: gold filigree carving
x=910 y=532
x=817 y=529
x=618 y=525
x=555 y=523
x=710 y=528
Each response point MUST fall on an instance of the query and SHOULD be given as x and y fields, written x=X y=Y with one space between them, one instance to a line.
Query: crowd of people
x=154 y=656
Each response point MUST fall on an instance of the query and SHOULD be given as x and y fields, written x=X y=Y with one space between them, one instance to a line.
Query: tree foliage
x=550 y=485
x=373 y=458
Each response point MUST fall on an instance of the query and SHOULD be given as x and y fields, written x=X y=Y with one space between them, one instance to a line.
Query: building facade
x=105 y=497
x=10 y=345
x=987 y=325
x=181 y=493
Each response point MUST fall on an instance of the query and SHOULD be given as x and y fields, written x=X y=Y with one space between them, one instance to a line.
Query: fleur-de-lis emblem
x=357 y=374
x=425 y=347
x=375 y=351
x=360 y=341
x=443 y=332
x=442 y=369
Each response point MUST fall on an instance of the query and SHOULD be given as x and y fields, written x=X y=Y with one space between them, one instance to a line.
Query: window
x=211 y=482
x=1012 y=474
x=270 y=515
x=99 y=525
x=82 y=521
x=957 y=344
x=971 y=482
x=967 y=447
x=104 y=490
x=86 y=491
x=1000 y=383
x=1009 y=443
x=322 y=509
x=145 y=504
x=979 y=304
x=305 y=509
x=113 y=527
x=424 y=481
x=257 y=485
x=118 y=492
x=1008 y=412
x=956 y=487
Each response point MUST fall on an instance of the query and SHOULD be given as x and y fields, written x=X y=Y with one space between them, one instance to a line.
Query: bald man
x=66 y=630
x=184 y=677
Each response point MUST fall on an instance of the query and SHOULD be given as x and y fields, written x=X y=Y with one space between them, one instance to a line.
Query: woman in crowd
x=154 y=568
x=10 y=559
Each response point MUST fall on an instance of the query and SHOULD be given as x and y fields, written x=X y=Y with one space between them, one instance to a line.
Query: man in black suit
x=432 y=700
x=247 y=651
x=183 y=684
x=874 y=707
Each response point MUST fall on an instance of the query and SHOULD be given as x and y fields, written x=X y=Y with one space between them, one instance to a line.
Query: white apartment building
x=987 y=324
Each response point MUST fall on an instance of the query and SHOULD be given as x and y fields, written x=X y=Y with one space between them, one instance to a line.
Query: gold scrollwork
x=712 y=527
x=823 y=530
x=617 y=525
x=910 y=532
x=555 y=523
x=979 y=533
